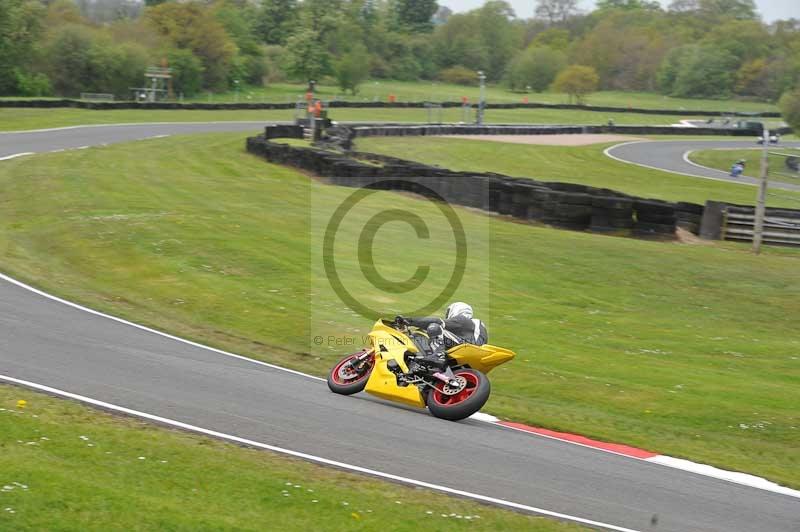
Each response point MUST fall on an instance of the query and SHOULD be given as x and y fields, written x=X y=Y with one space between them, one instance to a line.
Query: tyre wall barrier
x=510 y=129
x=81 y=104
x=565 y=205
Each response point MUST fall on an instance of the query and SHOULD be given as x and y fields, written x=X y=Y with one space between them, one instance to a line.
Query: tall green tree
x=415 y=15
x=20 y=27
x=305 y=58
x=68 y=59
x=700 y=72
x=498 y=35
x=715 y=10
x=790 y=108
x=628 y=5
x=536 y=68
x=352 y=69
x=187 y=72
x=275 y=20
x=194 y=27
x=556 y=11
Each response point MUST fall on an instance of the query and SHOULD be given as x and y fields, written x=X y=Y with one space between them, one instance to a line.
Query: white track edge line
x=154 y=331
x=14 y=156
x=607 y=153
x=700 y=469
x=478 y=416
x=687 y=160
x=311 y=457
x=125 y=124
x=736 y=477
x=706 y=470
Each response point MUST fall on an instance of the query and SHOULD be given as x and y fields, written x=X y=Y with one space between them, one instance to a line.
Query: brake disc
x=348 y=372
x=452 y=390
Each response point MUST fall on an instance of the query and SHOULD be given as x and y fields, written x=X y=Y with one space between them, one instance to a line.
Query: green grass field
x=67 y=467
x=688 y=350
x=16 y=119
x=438 y=91
x=723 y=159
x=584 y=164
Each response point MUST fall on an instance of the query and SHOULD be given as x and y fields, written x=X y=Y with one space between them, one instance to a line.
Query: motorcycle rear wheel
x=465 y=402
x=346 y=381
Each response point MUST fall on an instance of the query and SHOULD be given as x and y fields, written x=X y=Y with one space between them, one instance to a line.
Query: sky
x=770 y=9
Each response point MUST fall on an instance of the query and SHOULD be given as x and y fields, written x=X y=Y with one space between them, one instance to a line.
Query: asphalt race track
x=669 y=155
x=44 y=140
x=47 y=342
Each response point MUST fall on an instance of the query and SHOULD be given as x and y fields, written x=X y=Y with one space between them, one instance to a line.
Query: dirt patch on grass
x=552 y=140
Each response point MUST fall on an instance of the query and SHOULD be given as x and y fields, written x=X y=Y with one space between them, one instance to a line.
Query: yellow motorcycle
x=395 y=367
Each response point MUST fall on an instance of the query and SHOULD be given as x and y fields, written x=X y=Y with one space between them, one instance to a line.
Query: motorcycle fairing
x=391 y=344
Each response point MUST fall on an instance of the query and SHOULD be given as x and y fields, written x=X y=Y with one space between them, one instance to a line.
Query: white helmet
x=458 y=309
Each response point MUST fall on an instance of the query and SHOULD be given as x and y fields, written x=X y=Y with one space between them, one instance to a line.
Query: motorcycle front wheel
x=455 y=403
x=346 y=378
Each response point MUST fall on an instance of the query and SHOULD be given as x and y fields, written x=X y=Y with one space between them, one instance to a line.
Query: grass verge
x=581 y=164
x=723 y=159
x=68 y=467
x=16 y=119
x=438 y=91
x=689 y=350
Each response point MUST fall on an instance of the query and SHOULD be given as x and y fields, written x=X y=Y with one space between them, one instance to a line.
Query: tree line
x=693 y=48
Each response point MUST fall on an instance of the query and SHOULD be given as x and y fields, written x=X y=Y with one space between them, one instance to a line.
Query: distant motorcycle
x=394 y=368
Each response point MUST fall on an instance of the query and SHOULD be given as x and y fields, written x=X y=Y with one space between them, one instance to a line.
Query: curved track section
x=671 y=156
x=51 y=343
x=75 y=137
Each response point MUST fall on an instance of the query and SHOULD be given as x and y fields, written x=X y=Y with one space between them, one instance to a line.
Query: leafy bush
x=577 y=81
x=459 y=75
x=352 y=69
x=187 y=72
x=694 y=71
x=790 y=108
x=30 y=84
x=536 y=68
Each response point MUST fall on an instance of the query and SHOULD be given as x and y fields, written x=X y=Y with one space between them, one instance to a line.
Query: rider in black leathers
x=457 y=327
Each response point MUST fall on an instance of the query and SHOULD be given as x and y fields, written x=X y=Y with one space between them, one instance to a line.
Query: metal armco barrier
x=723 y=221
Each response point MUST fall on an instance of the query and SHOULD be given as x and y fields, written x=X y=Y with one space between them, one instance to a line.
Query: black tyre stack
x=570 y=210
x=654 y=219
x=689 y=216
x=611 y=215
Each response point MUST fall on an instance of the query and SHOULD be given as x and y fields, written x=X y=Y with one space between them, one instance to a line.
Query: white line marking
x=125 y=124
x=607 y=153
x=480 y=416
x=311 y=457
x=154 y=331
x=731 y=476
x=734 y=477
x=686 y=159
x=7 y=157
